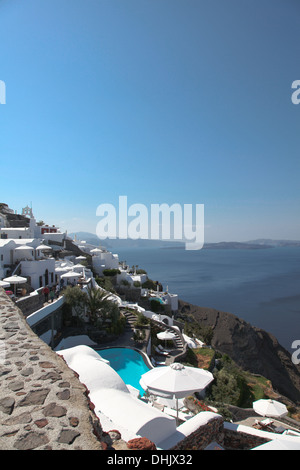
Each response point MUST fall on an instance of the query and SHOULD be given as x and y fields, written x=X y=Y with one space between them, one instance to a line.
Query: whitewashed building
x=104 y=260
x=131 y=278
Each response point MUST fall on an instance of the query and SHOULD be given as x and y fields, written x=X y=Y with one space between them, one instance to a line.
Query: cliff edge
x=253 y=349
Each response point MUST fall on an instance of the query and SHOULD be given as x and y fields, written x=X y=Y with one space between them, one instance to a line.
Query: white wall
x=56 y=237
x=6 y=246
x=172 y=299
x=105 y=260
x=125 y=276
x=35 y=269
x=17 y=232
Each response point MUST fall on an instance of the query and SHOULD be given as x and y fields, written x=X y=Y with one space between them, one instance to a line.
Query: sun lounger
x=264 y=425
x=162 y=353
x=157 y=363
x=182 y=416
x=163 y=349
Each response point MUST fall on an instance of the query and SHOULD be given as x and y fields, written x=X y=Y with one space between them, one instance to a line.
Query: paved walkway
x=42 y=403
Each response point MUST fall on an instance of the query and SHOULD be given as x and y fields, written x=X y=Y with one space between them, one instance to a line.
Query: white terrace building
x=101 y=258
x=131 y=278
x=30 y=229
x=27 y=257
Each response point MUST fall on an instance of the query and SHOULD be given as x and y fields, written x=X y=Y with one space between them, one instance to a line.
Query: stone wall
x=241 y=441
x=31 y=303
x=203 y=436
x=43 y=405
x=130 y=294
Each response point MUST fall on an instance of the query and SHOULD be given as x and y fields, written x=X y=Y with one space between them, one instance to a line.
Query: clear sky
x=164 y=101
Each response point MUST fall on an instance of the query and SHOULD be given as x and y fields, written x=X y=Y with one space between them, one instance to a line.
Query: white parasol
x=175 y=381
x=165 y=335
x=15 y=280
x=4 y=284
x=271 y=408
x=70 y=274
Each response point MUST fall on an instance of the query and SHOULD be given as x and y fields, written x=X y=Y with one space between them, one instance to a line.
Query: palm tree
x=96 y=302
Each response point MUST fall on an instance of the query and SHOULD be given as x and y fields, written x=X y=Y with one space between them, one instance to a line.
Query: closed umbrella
x=271 y=408
x=175 y=381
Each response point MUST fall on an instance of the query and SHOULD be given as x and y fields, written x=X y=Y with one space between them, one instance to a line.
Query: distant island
x=259 y=244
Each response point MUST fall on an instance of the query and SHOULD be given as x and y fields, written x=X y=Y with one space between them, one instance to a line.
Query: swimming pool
x=128 y=363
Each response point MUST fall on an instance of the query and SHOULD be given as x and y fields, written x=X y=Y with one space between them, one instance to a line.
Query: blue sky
x=164 y=101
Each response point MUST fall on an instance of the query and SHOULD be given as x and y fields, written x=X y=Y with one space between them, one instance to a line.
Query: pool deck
x=126 y=341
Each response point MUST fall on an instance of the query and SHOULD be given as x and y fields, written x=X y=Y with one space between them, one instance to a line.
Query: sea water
x=261 y=286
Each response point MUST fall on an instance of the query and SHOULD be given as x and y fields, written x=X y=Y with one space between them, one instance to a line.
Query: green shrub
x=111 y=272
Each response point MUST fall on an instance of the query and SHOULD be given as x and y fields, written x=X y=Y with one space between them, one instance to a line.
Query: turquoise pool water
x=159 y=300
x=128 y=363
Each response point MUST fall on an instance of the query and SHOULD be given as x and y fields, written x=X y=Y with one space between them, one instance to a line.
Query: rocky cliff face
x=251 y=348
x=11 y=219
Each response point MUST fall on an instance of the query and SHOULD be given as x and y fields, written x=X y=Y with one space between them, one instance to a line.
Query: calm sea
x=260 y=286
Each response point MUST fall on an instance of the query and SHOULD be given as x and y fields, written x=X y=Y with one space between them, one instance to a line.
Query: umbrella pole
x=177 y=420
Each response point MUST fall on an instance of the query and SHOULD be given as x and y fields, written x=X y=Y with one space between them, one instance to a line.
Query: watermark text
x=296 y=94
x=296 y=354
x=2 y=92
x=176 y=222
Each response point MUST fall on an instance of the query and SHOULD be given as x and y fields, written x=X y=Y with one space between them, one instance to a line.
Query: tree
x=149 y=284
x=156 y=306
x=225 y=390
x=76 y=299
x=230 y=385
x=111 y=272
x=141 y=320
x=96 y=301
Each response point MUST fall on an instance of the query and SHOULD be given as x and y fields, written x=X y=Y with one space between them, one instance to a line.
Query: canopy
x=15 y=279
x=24 y=247
x=80 y=257
x=62 y=270
x=175 y=381
x=4 y=284
x=270 y=408
x=43 y=247
x=71 y=274
x=96 y=250
x=165 y=335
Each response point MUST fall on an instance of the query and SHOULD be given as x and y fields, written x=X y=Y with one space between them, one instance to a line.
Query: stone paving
x=42 y=403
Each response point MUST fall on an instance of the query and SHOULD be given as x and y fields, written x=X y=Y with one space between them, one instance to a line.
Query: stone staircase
x=130 y=320
x=180 y=345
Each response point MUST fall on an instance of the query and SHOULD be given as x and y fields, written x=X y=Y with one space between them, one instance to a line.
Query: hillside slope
x=252 y=348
